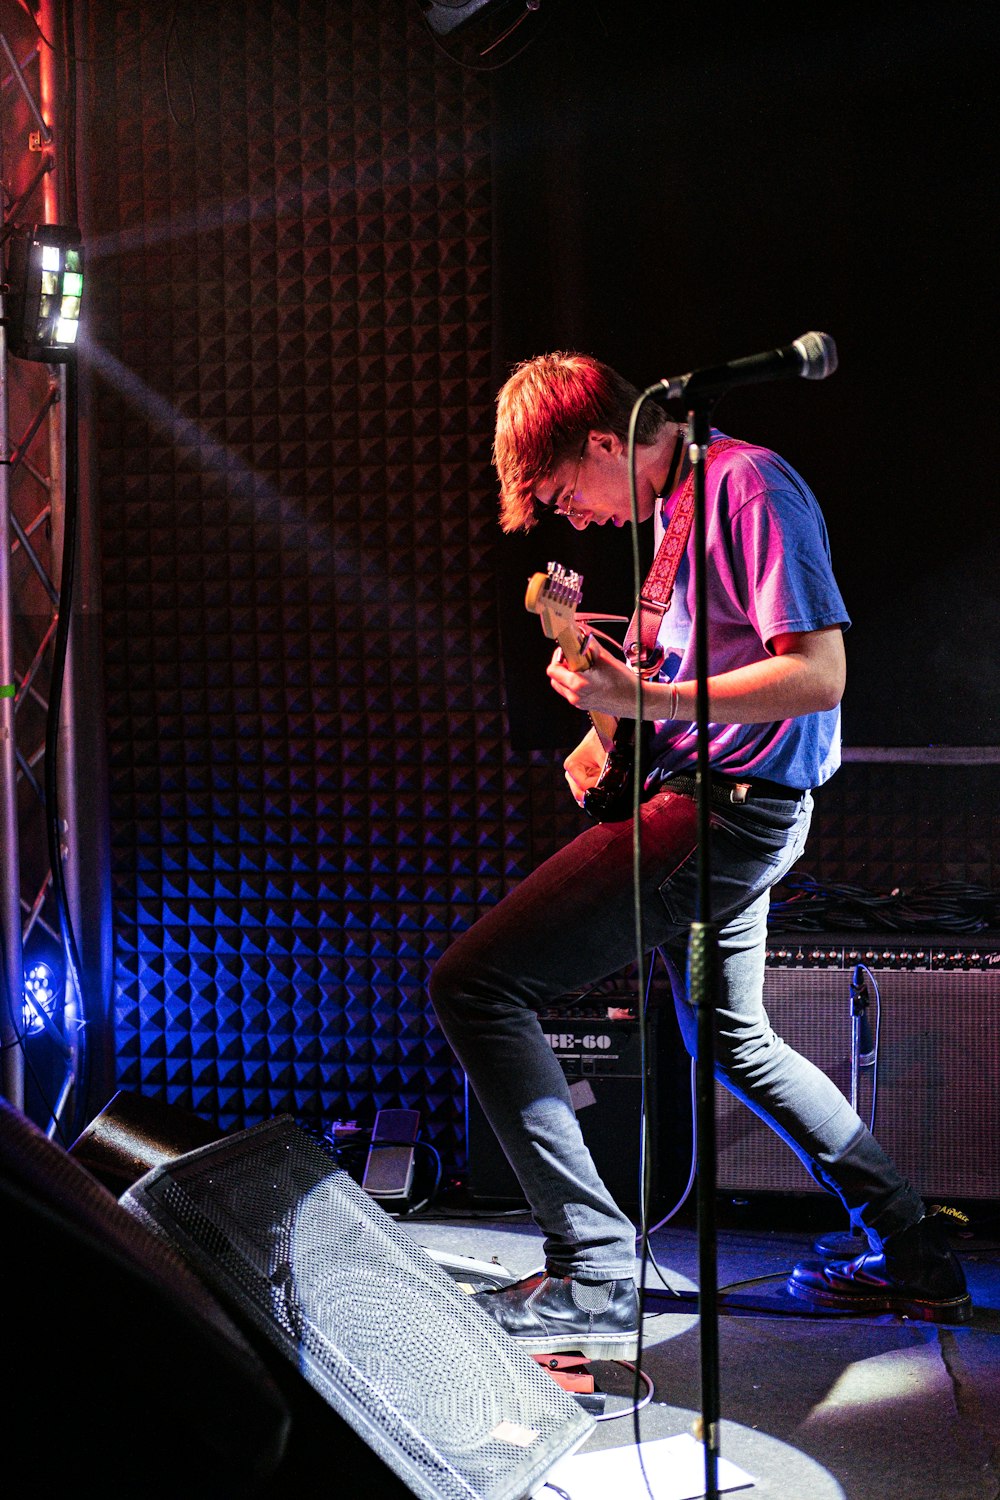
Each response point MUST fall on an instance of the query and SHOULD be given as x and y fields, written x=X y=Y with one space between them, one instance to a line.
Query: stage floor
x=813 y=1407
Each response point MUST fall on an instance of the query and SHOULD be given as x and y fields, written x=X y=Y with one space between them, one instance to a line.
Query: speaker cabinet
x=384 y=1334
x=133 y=1134
x=132 y=1377
x=936 y=1081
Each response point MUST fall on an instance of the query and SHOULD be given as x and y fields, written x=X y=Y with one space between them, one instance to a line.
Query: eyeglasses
x=560 y=507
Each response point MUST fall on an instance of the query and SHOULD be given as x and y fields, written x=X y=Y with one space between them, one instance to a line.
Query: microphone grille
x=819 y=355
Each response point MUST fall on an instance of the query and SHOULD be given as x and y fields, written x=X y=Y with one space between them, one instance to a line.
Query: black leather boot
x=557 y=1314
x=916 y=1273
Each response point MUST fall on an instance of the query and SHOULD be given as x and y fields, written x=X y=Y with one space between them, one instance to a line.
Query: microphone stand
x=852 y=1242
x=700 y=390
x=703 y=979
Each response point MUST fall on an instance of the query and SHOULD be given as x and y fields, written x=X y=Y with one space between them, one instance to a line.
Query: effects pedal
x=388 y=1175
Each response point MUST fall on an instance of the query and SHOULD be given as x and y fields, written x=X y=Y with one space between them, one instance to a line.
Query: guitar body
x=554 y=597
x=611 y=799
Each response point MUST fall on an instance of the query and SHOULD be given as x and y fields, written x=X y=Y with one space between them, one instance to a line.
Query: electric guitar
x=555 y=596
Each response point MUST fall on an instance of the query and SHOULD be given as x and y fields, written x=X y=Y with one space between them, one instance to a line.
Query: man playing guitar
x=777 y=672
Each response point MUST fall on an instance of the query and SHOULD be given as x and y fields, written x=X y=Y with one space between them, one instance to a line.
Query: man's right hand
x=583 y=766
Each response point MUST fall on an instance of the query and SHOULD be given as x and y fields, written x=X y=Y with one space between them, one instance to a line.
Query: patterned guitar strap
x=641 y=650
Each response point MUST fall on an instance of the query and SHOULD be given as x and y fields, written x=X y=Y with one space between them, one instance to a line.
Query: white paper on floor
x=675 y=1469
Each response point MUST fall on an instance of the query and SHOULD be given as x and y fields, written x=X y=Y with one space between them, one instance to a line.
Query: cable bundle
x=806 y=905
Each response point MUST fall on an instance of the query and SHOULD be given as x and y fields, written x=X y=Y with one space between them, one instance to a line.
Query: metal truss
x=42 y=990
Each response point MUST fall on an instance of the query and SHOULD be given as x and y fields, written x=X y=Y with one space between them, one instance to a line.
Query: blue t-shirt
x=769 y=573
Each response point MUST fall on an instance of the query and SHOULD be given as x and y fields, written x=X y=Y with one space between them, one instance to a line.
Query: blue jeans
x=569 y=925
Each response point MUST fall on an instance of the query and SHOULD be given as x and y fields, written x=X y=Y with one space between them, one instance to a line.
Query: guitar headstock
x=555 y=596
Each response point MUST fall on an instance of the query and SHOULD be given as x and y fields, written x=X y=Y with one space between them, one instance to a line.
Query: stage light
x=446 y=16
x=40 y=999
x=44 y=291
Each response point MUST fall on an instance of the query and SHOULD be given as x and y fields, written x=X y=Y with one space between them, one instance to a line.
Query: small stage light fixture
x=40 y=998
x=44 y=291
x=446 y=16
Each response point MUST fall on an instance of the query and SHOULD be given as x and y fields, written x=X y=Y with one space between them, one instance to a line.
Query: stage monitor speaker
x=937 y=1076
x=446 y=1399
x=133 y=1134
x=601 y=1059
x=130 y=1377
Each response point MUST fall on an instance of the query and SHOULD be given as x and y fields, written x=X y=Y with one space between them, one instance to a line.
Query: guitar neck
x=573 y=646
x=605 y=724
x=554 y=597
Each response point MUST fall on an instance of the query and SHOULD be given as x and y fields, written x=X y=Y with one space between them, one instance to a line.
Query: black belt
x=726 y=791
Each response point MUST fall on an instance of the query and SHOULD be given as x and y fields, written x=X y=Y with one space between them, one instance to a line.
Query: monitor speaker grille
x=387 y=1337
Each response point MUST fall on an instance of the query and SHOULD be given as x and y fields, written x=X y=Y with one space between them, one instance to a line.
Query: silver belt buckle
x=740 y=792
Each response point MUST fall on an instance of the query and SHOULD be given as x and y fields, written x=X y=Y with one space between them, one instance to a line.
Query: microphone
x=859 y=1009
x=813 y=356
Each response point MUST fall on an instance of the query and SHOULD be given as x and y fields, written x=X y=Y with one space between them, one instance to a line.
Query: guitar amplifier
x=599 y=1049
x=932 y=1095
x=935 y=1084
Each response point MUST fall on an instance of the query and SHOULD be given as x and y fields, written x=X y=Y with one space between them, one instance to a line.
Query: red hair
x=544 y=411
